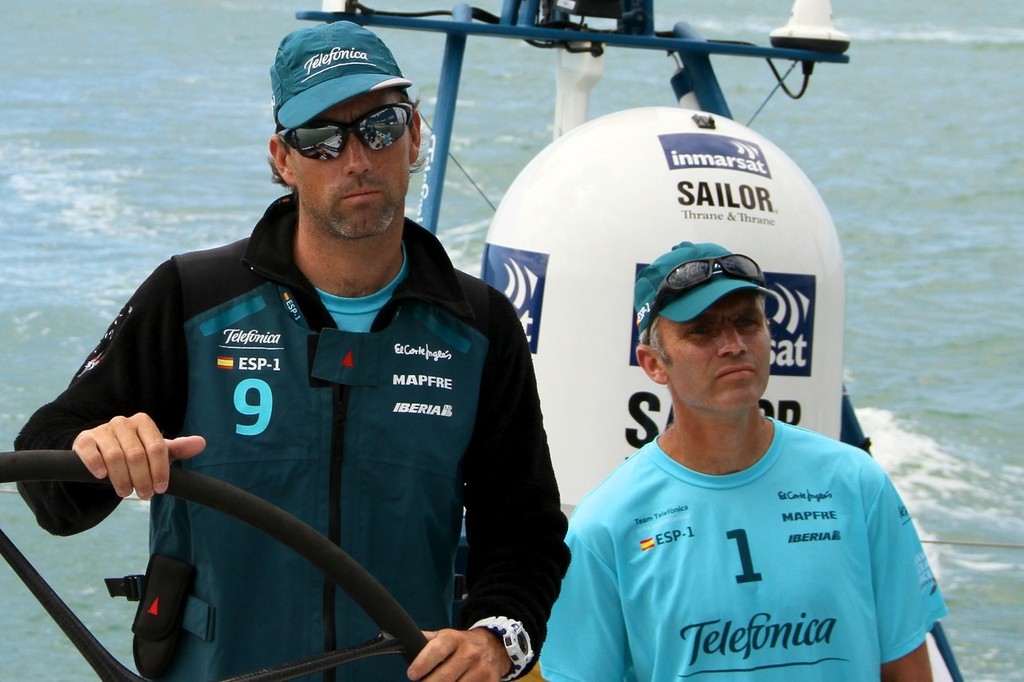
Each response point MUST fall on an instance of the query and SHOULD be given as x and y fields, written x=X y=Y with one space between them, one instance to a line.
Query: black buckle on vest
x=129 y=587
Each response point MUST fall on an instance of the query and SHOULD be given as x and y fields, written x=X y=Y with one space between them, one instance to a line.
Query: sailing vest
x=359 y=435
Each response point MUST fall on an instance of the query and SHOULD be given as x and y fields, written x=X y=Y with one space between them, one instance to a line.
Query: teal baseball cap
x=689 y=279
x=319 y=66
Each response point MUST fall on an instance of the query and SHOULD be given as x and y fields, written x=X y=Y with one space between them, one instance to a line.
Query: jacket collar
x=431 y=276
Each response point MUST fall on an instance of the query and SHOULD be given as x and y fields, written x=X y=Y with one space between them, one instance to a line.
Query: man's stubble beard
x=338 y=225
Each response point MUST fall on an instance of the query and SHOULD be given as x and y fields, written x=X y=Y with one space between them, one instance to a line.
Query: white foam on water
x=959 y=507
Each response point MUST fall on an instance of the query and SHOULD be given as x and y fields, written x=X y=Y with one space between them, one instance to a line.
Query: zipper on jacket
x=340 y=408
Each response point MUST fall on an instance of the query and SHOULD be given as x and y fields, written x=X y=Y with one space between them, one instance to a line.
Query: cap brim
x=310 y=103
x=692 y=303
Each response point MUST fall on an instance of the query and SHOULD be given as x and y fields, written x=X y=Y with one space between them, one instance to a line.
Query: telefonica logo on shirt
x=250 y=337
x=319 y=63
x=725 y=638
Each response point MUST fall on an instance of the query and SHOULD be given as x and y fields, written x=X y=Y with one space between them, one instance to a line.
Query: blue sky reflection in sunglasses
x=378 y=129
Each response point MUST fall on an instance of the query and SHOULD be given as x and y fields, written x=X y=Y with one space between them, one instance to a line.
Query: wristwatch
x=515 y=638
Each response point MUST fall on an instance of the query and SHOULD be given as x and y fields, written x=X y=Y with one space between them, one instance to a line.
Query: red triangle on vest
x=349 y=361
x=154 y=608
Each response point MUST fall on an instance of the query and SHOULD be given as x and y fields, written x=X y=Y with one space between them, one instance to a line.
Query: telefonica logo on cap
x=319 y=63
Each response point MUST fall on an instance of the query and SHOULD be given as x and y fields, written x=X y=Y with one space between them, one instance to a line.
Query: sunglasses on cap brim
x=692 y=273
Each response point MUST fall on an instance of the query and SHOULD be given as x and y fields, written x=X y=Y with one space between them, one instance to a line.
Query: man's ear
x=279 y=153
x=414 y=137
x=652 y=364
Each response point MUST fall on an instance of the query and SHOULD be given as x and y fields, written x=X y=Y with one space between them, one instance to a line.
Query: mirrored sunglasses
x=378 y=129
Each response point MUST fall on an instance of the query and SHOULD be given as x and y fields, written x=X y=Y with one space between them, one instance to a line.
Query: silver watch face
x=523 y=641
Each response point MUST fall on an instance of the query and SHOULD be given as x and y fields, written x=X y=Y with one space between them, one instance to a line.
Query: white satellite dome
x=609 y=197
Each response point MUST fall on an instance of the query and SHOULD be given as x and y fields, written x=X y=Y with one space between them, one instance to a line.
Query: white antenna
x=575 y=75
x=810 y=28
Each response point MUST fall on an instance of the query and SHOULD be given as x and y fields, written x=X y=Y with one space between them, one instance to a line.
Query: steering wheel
x=399 y=634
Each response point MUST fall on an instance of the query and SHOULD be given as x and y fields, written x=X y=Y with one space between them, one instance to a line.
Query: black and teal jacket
x=378 y=440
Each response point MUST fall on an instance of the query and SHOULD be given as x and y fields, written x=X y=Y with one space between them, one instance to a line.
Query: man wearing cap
x=336 y=364
x=736 y=546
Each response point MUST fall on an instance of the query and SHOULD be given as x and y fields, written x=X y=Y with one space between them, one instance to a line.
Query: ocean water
x=131 y=130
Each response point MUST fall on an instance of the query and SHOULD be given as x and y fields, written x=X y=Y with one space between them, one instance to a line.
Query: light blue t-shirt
x=805 y=566
x=358 y=314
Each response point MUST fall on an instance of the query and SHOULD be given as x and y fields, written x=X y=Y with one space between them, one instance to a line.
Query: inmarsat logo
x=520 y=275
x=791 y=311
x=699 y=150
